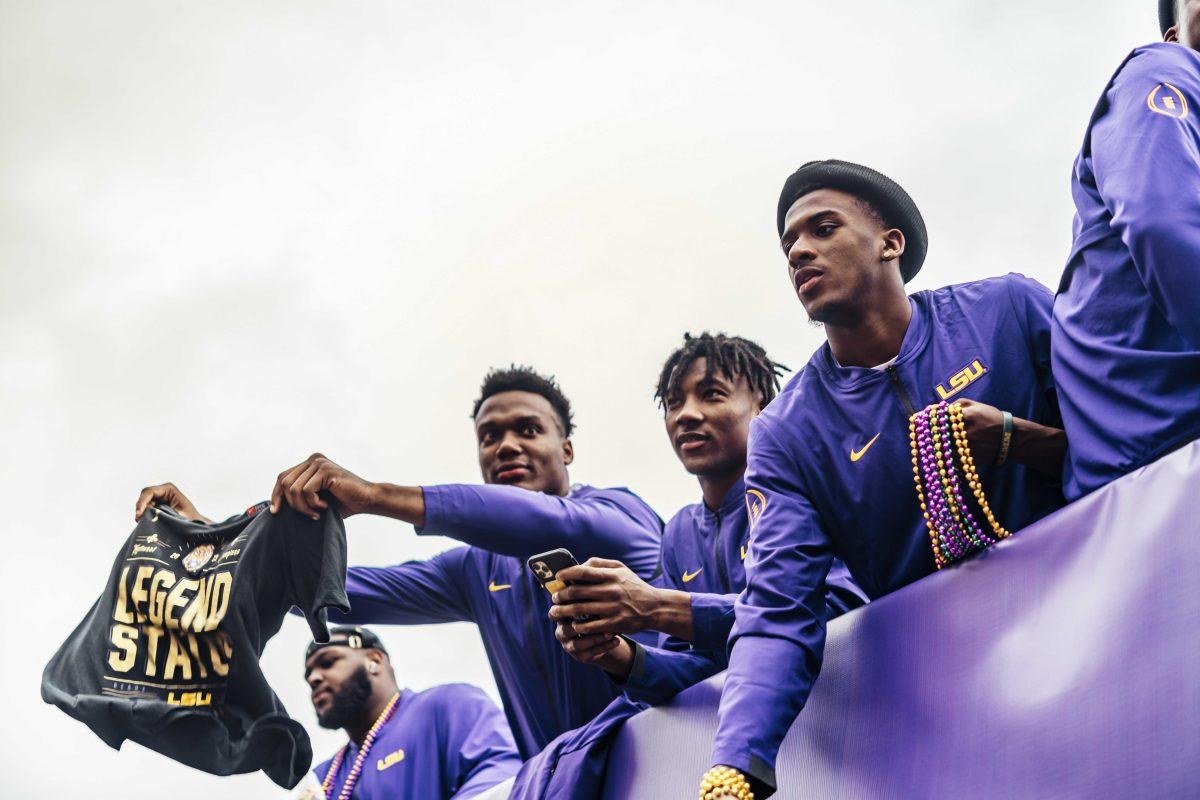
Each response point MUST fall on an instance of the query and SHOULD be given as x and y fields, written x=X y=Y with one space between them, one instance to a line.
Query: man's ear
x=1172 y=34
x=893 y=244
x=568 y=452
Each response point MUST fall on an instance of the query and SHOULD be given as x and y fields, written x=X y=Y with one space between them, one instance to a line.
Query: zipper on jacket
x=900 y=390
x=719 y=553
x=531 y=629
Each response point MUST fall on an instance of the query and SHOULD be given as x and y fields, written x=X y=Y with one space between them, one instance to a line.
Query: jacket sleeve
x=520 y=523
x=1146 y=158
x=412 y=593
x=713 y=614
x=478 y=751
x=778 y=637
x=659 y=673
x=1033 y=305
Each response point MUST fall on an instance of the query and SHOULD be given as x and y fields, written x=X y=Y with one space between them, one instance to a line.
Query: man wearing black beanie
x=1126 y=327
x=830 y=464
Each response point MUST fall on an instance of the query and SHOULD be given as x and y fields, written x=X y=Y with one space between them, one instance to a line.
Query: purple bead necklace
x=356 y=770
x=936 y=434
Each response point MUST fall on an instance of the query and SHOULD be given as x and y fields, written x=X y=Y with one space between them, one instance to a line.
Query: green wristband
x=1002 y=456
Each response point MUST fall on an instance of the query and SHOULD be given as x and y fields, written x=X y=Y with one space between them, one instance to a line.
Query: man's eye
x=713 y=394
x=529 y=430
x=826 y=229
x=486 y=439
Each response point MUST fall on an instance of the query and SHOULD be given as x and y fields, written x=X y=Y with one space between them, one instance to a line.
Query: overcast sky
x=232 y=234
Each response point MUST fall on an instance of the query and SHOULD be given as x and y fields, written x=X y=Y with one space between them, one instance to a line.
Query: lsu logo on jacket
x=962 y=379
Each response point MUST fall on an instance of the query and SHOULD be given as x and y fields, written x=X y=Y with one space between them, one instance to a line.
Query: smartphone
x=545 y=566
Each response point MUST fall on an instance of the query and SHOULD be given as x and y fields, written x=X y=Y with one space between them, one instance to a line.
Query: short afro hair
x=518 y=378
x=732 y=355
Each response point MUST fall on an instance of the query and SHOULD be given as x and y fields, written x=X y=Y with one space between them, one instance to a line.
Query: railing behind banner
x=1063 y=663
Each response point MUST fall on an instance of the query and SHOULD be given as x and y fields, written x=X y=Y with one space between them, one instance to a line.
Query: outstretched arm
x=501 y=519
x=412 y=593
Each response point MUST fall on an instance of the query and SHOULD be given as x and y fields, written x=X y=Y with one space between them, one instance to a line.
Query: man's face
x=521 y=443
x=1187 y=29
x=708 y=421
x=340 y=685
x=835 y=248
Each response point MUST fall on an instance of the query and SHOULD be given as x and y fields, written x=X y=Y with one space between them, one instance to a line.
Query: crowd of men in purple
x=807 y=507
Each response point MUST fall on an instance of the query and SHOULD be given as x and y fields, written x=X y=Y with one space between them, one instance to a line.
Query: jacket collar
x=915 y=339
x=733 y=500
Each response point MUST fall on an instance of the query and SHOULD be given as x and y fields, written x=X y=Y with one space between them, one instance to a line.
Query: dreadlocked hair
x=732 y=355
x=519 y=378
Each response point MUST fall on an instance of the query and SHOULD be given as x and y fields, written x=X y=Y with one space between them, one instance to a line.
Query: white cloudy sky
x=235 y=233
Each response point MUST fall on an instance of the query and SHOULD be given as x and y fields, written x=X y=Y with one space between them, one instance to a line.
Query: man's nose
x=510 y=443
x=800 y=252
x=689 y=413
x=312 y=679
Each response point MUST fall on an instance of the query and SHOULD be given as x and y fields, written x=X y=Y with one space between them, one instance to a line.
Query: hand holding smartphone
x=546 y=566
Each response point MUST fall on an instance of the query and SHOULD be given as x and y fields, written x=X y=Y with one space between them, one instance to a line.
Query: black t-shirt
x=168 y=655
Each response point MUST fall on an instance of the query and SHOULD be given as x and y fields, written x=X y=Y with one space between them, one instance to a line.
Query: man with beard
x=830 y=470
x=526 y=505
x=1127 y=316
x=445 y=743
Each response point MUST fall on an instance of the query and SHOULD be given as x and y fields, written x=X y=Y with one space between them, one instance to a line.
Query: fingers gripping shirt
x=168 y=655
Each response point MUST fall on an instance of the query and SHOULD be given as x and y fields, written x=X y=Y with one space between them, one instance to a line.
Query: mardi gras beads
x=725 y=782
x=936 y=435
x=356 y=769
x=958 y=425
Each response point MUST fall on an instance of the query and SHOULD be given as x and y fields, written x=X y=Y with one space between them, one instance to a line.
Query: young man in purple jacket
x=1126 y=343
x=830 y=468
x=445 y=743
x=710 y=389
x=526 y=505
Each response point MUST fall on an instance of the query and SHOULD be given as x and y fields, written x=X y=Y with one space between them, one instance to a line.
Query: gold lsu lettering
x=962 y=379
x=190 y=698
x=390 y=760
x=160 y=620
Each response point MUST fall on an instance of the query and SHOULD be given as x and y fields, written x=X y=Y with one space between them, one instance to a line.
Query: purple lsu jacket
x=1126 y=343
x=545 y=692
x=445 y=743
x=703 y=551
x=830 y=474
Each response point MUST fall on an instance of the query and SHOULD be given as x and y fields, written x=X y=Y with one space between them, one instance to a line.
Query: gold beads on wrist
x=723 y=782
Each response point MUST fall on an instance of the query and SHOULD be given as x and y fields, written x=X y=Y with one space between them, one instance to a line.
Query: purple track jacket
x=445 y=743
x=702 y=553
x=1126 y=343
x=545 y=692
x=830 y=474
